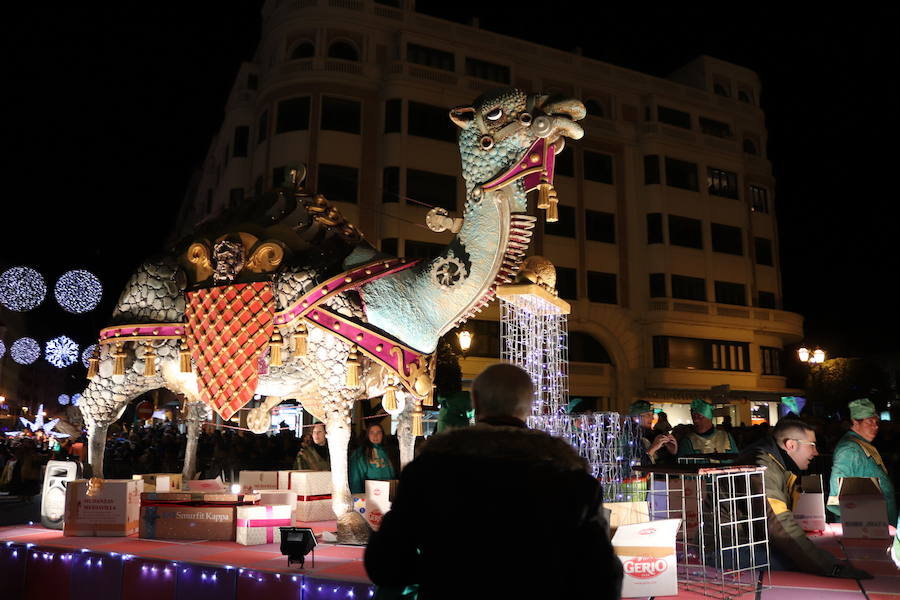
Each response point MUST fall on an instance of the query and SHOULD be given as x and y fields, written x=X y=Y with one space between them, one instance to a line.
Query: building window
x=339 y=114
x=263 y=131
x=687 y=232
x=293 y=115
x=235 y=197
x=601 y=287
x=654 y=228
x=657 y=285
x=594 y=108
x=389 y=246
x=343 y=50
x=688 y=288
x=430 y=57
x=716 y=128
x=598 y=167
x=423 y=250
x=304 y=49
x=600 y=226
x=728 y=292
x=691 y=353
x=486 y=70
x=763 y=250
x=431 y=189
x=727 y=239
x=567 y=283
x=759 y=199
x=766 y=300
x=485 y=338
x=564 y=164
x=745 y=96
x=651 y=169
x=771 y=360
x=431 y=122
x=681 y=174
x=671 y=116
x=241 y=141
x=720 y=88
x=393 y=115
x=750 y=147
x=721 y=183
x=583 y=347
x=390 y=184
x=565 y=227
x=340 y=182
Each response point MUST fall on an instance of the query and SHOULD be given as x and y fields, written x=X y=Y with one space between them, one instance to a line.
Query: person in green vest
x=855 y=456
x=704 y=437
x=370 y=461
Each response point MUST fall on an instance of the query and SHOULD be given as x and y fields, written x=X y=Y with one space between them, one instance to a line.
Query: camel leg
x=338 y=429
x=97 y=447
x=405 y=437
x=196 y=413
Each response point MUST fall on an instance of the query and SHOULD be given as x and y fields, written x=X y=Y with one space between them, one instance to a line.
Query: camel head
x=500 y=129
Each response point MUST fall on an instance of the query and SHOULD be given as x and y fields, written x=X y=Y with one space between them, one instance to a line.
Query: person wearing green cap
x=703 y=437
x=855 y=456
x=652 y=442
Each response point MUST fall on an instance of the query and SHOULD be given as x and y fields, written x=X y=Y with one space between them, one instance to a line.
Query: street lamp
x=465 y=340
x=815 y=357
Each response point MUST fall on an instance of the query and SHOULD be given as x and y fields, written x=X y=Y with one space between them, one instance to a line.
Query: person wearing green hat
x=703 y=437
x=855 y=456
x=652 y=442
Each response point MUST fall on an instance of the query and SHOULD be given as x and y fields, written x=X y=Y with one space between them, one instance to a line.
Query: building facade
x=666 y=245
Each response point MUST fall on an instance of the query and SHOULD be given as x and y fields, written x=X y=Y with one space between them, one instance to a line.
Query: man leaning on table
x=786 y=453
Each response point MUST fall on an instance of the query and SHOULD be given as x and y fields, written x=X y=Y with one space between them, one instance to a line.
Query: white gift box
x=647 y=552
x=305 y=483
x=260 y=524
x=279 y=496
x=257 y=480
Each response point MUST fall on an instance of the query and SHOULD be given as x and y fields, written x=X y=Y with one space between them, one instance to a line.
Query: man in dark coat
x=496 y=510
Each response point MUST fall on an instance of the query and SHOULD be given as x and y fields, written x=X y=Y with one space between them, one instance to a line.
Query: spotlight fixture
x=296 y=543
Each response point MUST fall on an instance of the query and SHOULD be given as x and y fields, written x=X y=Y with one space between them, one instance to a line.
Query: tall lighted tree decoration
x=534 y=336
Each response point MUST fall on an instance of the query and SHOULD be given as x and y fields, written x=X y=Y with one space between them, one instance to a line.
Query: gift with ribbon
x=260 y=524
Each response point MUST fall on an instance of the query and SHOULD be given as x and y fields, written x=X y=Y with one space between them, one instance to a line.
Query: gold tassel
x=299 y=340
x=95 y=484
x=417 y=417
x=352 y=368
x=275 y=346
x=94 y=363
x=150 y=361
x=389 y=400
x=119 y=355
x=552 y=210
x=184 y=356
x=544 y=190
x=429 y=397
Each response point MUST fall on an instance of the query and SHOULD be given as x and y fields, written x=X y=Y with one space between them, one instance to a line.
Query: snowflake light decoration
x=78 y=291
x=21 y=289
x=61 y=352
x=87 y=354
x=63 y=399
x=75 y=399
x=25 y=351
x=2 y=348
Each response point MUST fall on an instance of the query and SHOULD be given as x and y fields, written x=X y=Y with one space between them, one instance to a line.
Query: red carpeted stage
x=41 y=563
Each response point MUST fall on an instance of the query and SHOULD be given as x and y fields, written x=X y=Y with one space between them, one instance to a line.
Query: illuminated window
x=721 y=183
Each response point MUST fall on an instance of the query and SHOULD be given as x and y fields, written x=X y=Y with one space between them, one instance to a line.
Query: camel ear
x=462 y=116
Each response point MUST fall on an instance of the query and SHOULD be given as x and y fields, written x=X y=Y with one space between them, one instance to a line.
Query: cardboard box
x=258 y=480
x=272 y=497
x=306 y=483
x=260 y=524
x=187 y=522
x=160 y=482
x=809 y=511
x=627 y=513
x=863 y=509
x=112 y=511
x=204 y=485
x=647 y=552
x=379 y=495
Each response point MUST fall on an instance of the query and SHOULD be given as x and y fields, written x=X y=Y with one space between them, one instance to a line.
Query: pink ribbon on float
x=270 y=524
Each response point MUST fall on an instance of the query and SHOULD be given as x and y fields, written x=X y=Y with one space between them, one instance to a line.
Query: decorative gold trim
x=198 y=255
x=265 y=258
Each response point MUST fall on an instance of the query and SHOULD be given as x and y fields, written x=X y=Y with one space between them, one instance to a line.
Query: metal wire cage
x=722 y=546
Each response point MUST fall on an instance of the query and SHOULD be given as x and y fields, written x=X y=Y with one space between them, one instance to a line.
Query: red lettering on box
x=645 y=567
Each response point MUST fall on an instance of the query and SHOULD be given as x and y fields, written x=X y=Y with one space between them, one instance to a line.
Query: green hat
x=702 y=407
x=862 y=409
x=639 y=407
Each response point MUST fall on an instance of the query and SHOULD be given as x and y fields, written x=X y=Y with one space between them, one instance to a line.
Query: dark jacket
x=494 y=512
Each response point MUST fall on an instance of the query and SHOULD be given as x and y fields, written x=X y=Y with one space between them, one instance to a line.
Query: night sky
x=108 y=112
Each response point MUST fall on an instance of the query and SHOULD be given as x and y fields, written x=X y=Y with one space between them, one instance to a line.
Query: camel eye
x=494 y=115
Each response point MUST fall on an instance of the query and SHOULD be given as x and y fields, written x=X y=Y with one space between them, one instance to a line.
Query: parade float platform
x=36 y=562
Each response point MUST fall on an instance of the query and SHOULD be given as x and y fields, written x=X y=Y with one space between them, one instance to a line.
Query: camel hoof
x=352 y=529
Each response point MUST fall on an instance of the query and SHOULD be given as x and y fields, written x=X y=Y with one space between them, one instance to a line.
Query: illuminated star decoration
x=87 y=354
x=63 y=399
x=61 y=352
x=25 y=351
x=78 y=291
x=21 y=289
x=39 y=425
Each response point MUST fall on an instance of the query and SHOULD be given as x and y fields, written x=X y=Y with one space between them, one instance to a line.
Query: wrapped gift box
x=160 y=482
x=258 y=480
x=112 y=511
x=187 y=522
x=288 y=497
x=197 y=498
x=260 y=524
x=204 y=485
x=313 y=494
